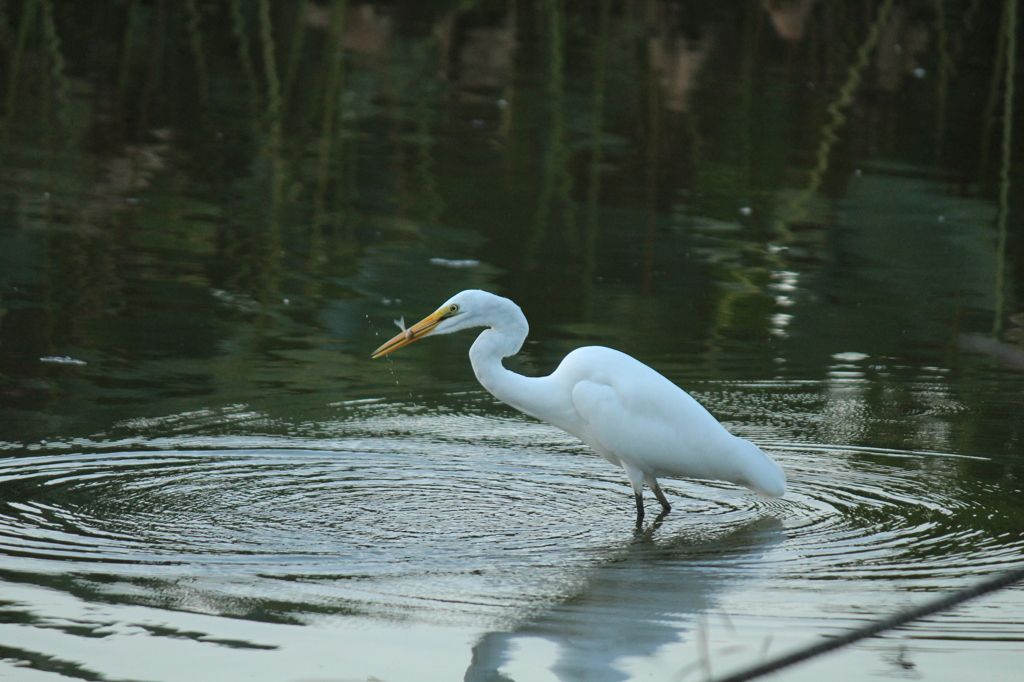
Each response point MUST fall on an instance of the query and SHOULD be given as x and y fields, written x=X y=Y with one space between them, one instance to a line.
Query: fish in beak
x=413 y=333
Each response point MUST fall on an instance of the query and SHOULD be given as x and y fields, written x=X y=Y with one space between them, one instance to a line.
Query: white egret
x=630 y=414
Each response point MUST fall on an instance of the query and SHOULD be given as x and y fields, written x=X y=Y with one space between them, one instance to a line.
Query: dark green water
x=212 y=213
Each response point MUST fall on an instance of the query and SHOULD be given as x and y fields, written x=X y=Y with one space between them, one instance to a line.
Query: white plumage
x=629 y=413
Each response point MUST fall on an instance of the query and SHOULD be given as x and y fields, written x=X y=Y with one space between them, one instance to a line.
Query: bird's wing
x=596 y=404
x=617 y=425
x=659 y=431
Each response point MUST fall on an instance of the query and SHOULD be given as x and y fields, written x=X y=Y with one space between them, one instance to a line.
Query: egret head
x=463 y=310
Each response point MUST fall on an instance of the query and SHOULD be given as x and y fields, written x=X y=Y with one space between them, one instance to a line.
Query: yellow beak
x=413 y=333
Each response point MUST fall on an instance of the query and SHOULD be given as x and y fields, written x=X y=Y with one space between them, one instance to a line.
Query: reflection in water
x=647 y=596
x=674 y=59
x=211 y=212
x=472 y=518
x=789 y=17
x=837 y=112
x=845 y=413
x=493 y=523
x=901 y=43
x=555 y=205
x=1010 y=31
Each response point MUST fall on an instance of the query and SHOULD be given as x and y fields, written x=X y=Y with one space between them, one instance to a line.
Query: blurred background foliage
x=235 y=182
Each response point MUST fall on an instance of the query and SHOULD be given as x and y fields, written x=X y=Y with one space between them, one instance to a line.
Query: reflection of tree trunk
x=480 y=63
x=594 y=189
x=272 y=151
x=392 y=110
x=751 y=45
x=674 y=63
x=837 y=114
x=506 y=104
x=131 y=21
x=942 y=91
x=653 y=144
x=427 y=201
x=14 y=63
x=196 y=42
x=155 y=60
x=83 y=242
x=556 y=183
x=295 y=48
x=238 y=29
x=330 y=145
x=989 y=117
x=1010 y=19
x=59 y=83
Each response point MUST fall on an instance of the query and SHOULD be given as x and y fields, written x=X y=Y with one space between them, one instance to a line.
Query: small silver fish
x=400 y=323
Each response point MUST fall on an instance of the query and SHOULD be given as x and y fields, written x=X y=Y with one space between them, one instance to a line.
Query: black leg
x=661 y=497
x=639 y=508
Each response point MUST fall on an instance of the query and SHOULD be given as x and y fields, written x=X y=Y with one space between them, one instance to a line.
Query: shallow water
x=487 y=543
x=204 y=475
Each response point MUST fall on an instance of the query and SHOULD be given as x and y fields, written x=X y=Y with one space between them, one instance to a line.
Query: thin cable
x=942 y=604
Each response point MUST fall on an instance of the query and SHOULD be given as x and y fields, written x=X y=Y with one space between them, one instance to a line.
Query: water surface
x=211 y=215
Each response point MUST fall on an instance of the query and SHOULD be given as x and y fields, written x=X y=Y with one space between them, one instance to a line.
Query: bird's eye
x=453 y=308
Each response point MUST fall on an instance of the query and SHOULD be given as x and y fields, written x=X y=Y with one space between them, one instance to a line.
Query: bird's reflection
x=645 y=597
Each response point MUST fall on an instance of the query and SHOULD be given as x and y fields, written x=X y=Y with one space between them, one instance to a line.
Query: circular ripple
x=859 y=513
x=401 y=508
x=396 y=501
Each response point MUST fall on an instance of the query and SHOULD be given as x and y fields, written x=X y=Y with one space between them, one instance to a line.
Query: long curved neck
x=500 y=341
